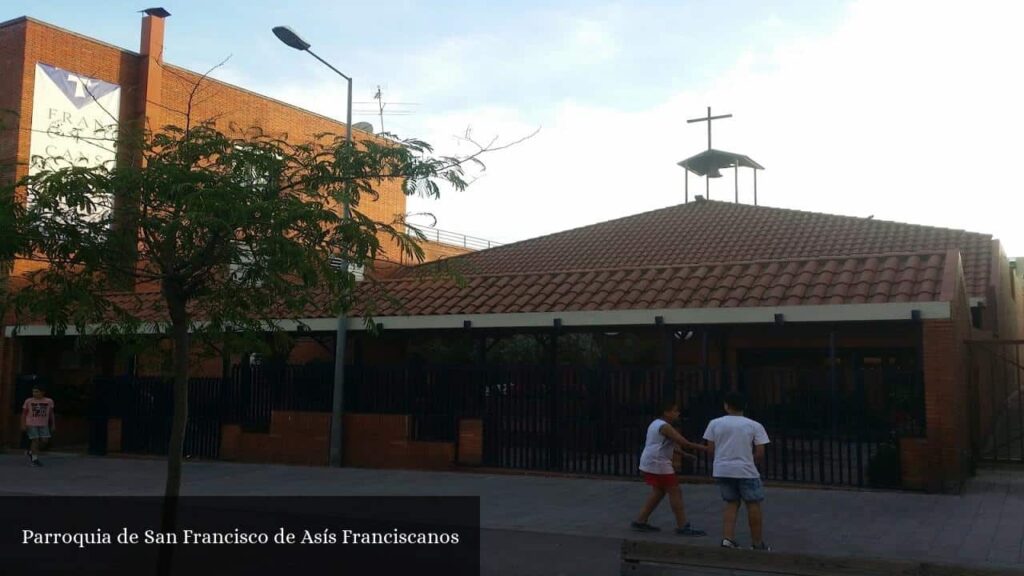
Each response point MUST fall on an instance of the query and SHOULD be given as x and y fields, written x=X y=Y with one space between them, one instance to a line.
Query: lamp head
x=289 y=37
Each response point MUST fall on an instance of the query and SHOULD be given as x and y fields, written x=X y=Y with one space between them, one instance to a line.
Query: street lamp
x=289 y=37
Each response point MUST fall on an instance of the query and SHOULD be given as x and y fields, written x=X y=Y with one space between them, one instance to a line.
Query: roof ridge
x=848 y=217
x=686 y=205
x=550 y=234
x=668 y=266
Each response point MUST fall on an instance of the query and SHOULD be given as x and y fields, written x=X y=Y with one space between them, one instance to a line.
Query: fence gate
x=837 y=429
x=997 y=414
x=145 y=407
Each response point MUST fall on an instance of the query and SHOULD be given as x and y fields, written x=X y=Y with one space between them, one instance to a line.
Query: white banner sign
x=74 y=120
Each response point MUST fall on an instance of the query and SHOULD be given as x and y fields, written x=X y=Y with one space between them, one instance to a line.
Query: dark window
x=976 y=316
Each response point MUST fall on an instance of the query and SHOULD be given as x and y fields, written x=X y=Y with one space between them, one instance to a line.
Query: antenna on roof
x=380 y=102
x=711 y=161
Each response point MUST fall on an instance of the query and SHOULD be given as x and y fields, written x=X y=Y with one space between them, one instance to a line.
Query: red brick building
x=850 y=335
x=133 y=87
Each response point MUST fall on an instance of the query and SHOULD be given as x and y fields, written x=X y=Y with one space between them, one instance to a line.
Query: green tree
x=236 y=230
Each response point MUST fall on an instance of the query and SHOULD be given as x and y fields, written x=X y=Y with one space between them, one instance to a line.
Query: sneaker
x=644 y=527
x=727 y=543
x=762 y=547
x=36 y=462
x=689 y=531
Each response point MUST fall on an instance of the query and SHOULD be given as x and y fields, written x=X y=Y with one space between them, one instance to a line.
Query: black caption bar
x=277 y=536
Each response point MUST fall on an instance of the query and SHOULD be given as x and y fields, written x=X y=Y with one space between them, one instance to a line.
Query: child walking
x=738 y=442
x=656 y=465
x=38 y=421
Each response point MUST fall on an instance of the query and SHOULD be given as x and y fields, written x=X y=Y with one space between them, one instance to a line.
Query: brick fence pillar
x=946 y=405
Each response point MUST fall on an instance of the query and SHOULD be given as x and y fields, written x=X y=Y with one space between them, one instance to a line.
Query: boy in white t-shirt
x=737 y=442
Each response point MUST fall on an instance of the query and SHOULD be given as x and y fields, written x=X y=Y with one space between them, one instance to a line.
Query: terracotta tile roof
x=853 y=280
x=147 y=306
x=710 y=231
x=704 y=254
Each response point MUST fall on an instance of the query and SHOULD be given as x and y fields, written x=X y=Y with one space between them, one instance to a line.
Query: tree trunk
x=168 y=523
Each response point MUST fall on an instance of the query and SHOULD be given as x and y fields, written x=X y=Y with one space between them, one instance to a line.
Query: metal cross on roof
x=708 y=119
x=710 y=162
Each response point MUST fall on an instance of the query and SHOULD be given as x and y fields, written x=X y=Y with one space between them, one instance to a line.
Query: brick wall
x=917 y=459
x=12 y=62
x=294 y=438
x=371 y=441
x=159 y=92
x=308 y=350
x=436 y=251
x=41 y=43
x=947 y=398
x=235 y=109
x=113 y=435
x=471 y=442
x=382 y=441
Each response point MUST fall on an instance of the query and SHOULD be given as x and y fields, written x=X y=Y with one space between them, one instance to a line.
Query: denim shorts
x=747 y=489
x=36 y=432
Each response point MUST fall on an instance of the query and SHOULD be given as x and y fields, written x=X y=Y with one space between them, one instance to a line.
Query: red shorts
x=663 y=481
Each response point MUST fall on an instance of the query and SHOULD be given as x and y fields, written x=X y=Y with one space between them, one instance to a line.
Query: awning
x=712 y=160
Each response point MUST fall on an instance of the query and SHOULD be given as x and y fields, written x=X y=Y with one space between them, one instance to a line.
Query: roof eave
x=892 y=311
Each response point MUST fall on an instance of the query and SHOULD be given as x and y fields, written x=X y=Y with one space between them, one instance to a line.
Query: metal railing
x=455 y=239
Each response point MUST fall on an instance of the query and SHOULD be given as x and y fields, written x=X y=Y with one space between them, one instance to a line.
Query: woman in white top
x=656 y=465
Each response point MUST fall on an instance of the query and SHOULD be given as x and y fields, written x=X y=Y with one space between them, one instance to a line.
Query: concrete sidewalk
x=982 y=527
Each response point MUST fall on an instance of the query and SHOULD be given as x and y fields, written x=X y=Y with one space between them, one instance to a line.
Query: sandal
x=644 y=527
x=688 y=531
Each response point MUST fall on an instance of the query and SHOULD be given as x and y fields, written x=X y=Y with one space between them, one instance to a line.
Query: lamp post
x=289 y=37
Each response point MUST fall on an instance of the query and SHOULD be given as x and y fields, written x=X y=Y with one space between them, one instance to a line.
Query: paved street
x=570 y=526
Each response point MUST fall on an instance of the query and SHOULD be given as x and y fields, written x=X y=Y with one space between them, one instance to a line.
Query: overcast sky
x=908 y=111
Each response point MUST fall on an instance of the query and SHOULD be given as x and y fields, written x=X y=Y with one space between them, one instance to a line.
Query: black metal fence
x=436 y=397
x=263 y=388
x=145 y=407
x=826 y=427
